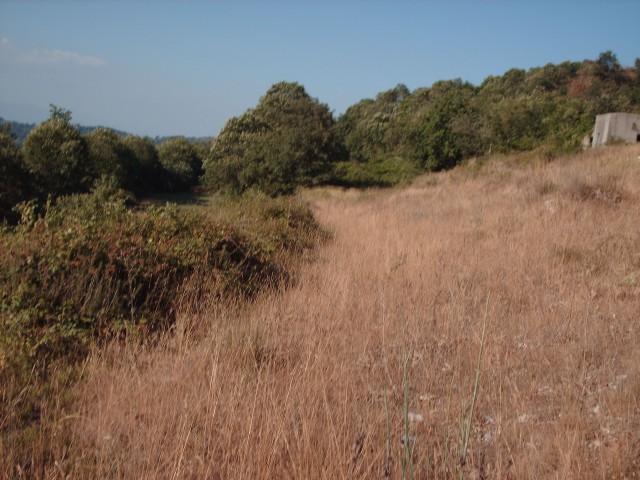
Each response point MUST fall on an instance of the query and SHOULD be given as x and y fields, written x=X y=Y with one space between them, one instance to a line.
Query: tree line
x=291 y=139
x=56 y=159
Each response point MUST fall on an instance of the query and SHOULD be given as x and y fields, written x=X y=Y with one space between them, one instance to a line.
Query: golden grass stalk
x=467 y=433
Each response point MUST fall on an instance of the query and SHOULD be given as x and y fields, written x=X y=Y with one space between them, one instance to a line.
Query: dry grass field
x=364 y=367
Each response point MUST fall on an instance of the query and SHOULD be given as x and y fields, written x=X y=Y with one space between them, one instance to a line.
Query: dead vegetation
x=365 y=366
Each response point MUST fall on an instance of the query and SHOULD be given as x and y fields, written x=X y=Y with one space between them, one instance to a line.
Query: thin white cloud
x=13 y=53
x=6 y=49
x=59 y=57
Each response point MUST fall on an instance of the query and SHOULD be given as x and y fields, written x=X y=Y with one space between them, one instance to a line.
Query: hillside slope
x=377 y=342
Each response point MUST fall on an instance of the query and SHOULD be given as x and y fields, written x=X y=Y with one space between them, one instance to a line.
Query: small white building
x=610 y=127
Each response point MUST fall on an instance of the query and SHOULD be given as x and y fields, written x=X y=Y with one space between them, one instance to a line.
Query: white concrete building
x=621 y=127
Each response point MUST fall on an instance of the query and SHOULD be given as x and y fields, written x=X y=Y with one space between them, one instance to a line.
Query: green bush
x=55 y=155
x=13 y=177
x=149 y=176
x=181 y=165
x=383 y=172
x=110 y=155
x=287 y=141
x=283 y=226
x=90 y=268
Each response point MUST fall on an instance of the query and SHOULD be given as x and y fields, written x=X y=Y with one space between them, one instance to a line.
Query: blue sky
x=185 y=67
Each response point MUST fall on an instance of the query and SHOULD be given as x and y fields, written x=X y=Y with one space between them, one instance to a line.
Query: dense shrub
x=382 y=172
x=181 y=165
x=284 y=227
x=91 y=268
x=548 y=108
x=55 y=154
x=287 y=141
x=110 y=155
x=13 y=178
x=149 y=176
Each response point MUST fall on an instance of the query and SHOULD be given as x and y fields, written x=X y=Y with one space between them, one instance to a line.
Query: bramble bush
x=91 y=268
x=283 y=226
x=380 y=172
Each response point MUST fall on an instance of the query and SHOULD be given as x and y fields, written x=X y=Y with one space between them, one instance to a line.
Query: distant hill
x=21 y=130
x=160 y=140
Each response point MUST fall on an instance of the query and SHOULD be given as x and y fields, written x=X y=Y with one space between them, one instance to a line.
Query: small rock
x=474 y=474
x=487 y=436
x=525 y=417
x=595 y=443
x=425 y=397
x=410 y=438
x=550 y=205
x=415 y=417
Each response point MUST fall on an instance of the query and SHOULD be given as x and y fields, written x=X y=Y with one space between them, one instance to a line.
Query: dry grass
x=302 y=382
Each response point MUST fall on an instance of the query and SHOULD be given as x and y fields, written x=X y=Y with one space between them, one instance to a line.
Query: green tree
x=13 y=177
x=230 y=164
x=446 y=133
x=287 y=140
x=374 y=128
x=55 y=155
x=109 y=155
x=150 y=174
x=636 y=83
x=608 y=67
x=59 y=113
x=181 y=164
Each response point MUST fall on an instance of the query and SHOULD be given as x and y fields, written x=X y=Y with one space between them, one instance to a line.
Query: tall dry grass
x=365 y=366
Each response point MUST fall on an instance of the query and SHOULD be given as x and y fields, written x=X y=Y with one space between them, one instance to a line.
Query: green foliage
x=608 y=67
x=59 y=113
x=547 y=109
x=90 y=268
x=286 y=141
x=369 y=128
x=13 y=178
x=382 y=172
x=445 y=132
x=18 y=130
x=55 y=155
x=181 y=164
x=110 y=155
x=148 y=177
x=282 y=226
x=290 y=139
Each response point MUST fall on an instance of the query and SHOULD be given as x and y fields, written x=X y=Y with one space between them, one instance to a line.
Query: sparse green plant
x=546 y=187
x=388 y=459
x=469 y=422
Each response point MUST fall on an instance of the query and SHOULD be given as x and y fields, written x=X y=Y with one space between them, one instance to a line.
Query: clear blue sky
x=186 y=67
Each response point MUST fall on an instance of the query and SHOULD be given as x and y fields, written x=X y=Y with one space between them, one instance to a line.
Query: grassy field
x=364 y=366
